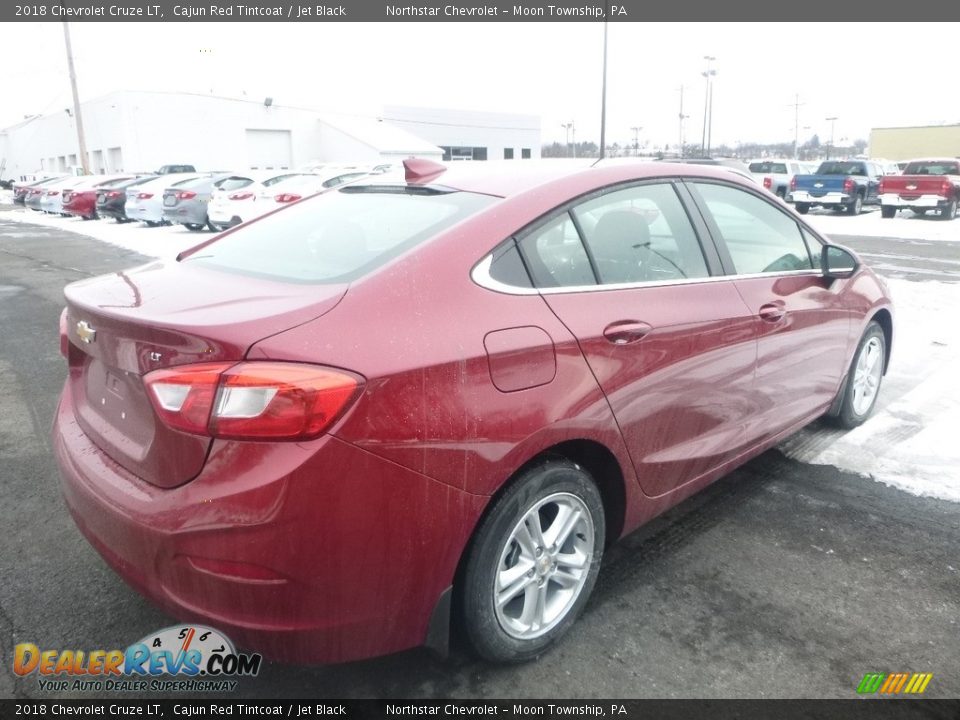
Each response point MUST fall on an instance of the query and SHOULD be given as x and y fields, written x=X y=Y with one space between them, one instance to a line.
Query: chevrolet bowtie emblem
x=85 y=332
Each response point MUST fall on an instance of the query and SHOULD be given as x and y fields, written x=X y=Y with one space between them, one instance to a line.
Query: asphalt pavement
x=780 y=580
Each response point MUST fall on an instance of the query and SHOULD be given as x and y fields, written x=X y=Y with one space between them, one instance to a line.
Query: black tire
x=888 y=211
x=781 y=192
x=803 y=208
x=495 y=549
x=213 y=226
x=153 y=223
x=856 y=206
x=847 y=415
x=950 y=211
x=195 y=227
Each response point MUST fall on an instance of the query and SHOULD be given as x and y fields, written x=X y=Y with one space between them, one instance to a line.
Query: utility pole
x=603 y=99
x=636 y=140
x=81 y=138
x=796 y=123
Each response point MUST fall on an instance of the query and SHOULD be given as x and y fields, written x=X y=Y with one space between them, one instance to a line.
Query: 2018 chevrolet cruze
x=410 y=402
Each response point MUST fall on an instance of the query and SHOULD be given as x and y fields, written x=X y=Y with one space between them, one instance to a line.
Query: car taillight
x=848 y=185
x=53 y=192
x=252 y=400
x=144 y=196
x=793 y=183
x=113 y=194
x=880 y=188
x=241 y=196
x=768 y=182
x=186 y=195
x=287 y=197
x=946 y=188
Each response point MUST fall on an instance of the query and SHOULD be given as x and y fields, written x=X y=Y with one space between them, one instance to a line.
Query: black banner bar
x=461 y=11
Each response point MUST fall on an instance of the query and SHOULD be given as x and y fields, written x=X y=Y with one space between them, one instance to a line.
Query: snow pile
x=905 y=225
x=911 y=441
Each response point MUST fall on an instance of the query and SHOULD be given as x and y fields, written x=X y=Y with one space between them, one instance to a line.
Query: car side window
x=759 y=237
x=555 y=255
x=641 y=234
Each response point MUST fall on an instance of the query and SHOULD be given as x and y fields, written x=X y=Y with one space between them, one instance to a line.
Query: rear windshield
x=842 y=168
x=278 y=178
x=768 y=167
x=233 y=183
x=339 y=236
x=932 y=168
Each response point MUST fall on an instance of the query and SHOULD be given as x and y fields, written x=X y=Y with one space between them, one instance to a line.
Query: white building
x=138 y=131
x=469 y=135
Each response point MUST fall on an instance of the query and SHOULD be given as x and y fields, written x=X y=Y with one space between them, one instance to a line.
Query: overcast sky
x=548 y=69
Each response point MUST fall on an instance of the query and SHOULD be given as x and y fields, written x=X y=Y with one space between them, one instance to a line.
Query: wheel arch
x=594 y=457
x=885 y=320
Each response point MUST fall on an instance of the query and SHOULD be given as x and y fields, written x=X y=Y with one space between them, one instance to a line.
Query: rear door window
x=555 y=255
x=641 y=234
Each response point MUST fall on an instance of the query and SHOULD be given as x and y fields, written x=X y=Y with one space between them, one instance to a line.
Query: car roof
x=506 y=179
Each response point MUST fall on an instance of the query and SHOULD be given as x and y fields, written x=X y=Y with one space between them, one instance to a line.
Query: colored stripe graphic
x=894 y=683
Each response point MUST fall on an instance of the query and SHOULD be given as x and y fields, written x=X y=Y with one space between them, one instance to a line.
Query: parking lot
x=792 y=577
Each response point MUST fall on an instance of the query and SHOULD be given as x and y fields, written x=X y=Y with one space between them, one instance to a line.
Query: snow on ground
x=904 y=225
x=911 y=442
x=163 y=242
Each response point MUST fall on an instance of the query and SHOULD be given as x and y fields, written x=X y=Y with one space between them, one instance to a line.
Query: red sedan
x=81 y=201
x=338 y=430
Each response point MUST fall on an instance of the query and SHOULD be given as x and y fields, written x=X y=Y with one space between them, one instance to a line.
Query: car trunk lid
x=124 y=325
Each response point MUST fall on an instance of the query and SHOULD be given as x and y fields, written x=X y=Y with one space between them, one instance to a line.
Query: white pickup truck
x=775 y=173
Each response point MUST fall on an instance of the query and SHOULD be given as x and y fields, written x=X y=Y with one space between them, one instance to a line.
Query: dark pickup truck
x=845 y=185
x=924 y=185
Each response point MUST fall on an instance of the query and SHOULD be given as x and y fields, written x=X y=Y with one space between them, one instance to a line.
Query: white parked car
x=241 y=196
x=145 y=202
x=301 y=186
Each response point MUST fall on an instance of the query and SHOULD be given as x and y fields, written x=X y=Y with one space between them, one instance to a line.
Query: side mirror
x=837 y=262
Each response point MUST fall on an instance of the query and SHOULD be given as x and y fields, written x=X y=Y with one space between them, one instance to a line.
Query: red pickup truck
x=924 y=185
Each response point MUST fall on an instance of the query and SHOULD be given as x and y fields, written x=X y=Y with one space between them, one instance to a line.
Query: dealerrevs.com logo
x=182 y=658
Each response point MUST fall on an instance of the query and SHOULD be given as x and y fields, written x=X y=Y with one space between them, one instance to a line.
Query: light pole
x=603 y=92
x=833 y=121
x=571 y=130
x=682 y=118
x=636 y=140
x=708 y=74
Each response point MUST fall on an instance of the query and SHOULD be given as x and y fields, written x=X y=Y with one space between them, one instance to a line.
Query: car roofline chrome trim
x=481 y=276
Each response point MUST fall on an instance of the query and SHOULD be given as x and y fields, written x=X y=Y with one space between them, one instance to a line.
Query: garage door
x=269 y=149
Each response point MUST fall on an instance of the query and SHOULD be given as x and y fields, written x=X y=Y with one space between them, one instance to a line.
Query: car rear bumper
x=114 y=211
x=920 y=201
x=307 y=552
x=830 y=198
x=186 y=214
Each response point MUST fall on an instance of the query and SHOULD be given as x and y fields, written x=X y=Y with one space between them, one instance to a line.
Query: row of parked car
x=921 y=186
x=196 y=200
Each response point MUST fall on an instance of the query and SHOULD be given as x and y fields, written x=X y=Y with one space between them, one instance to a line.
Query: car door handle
x=772 y=312
x=625 y=332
